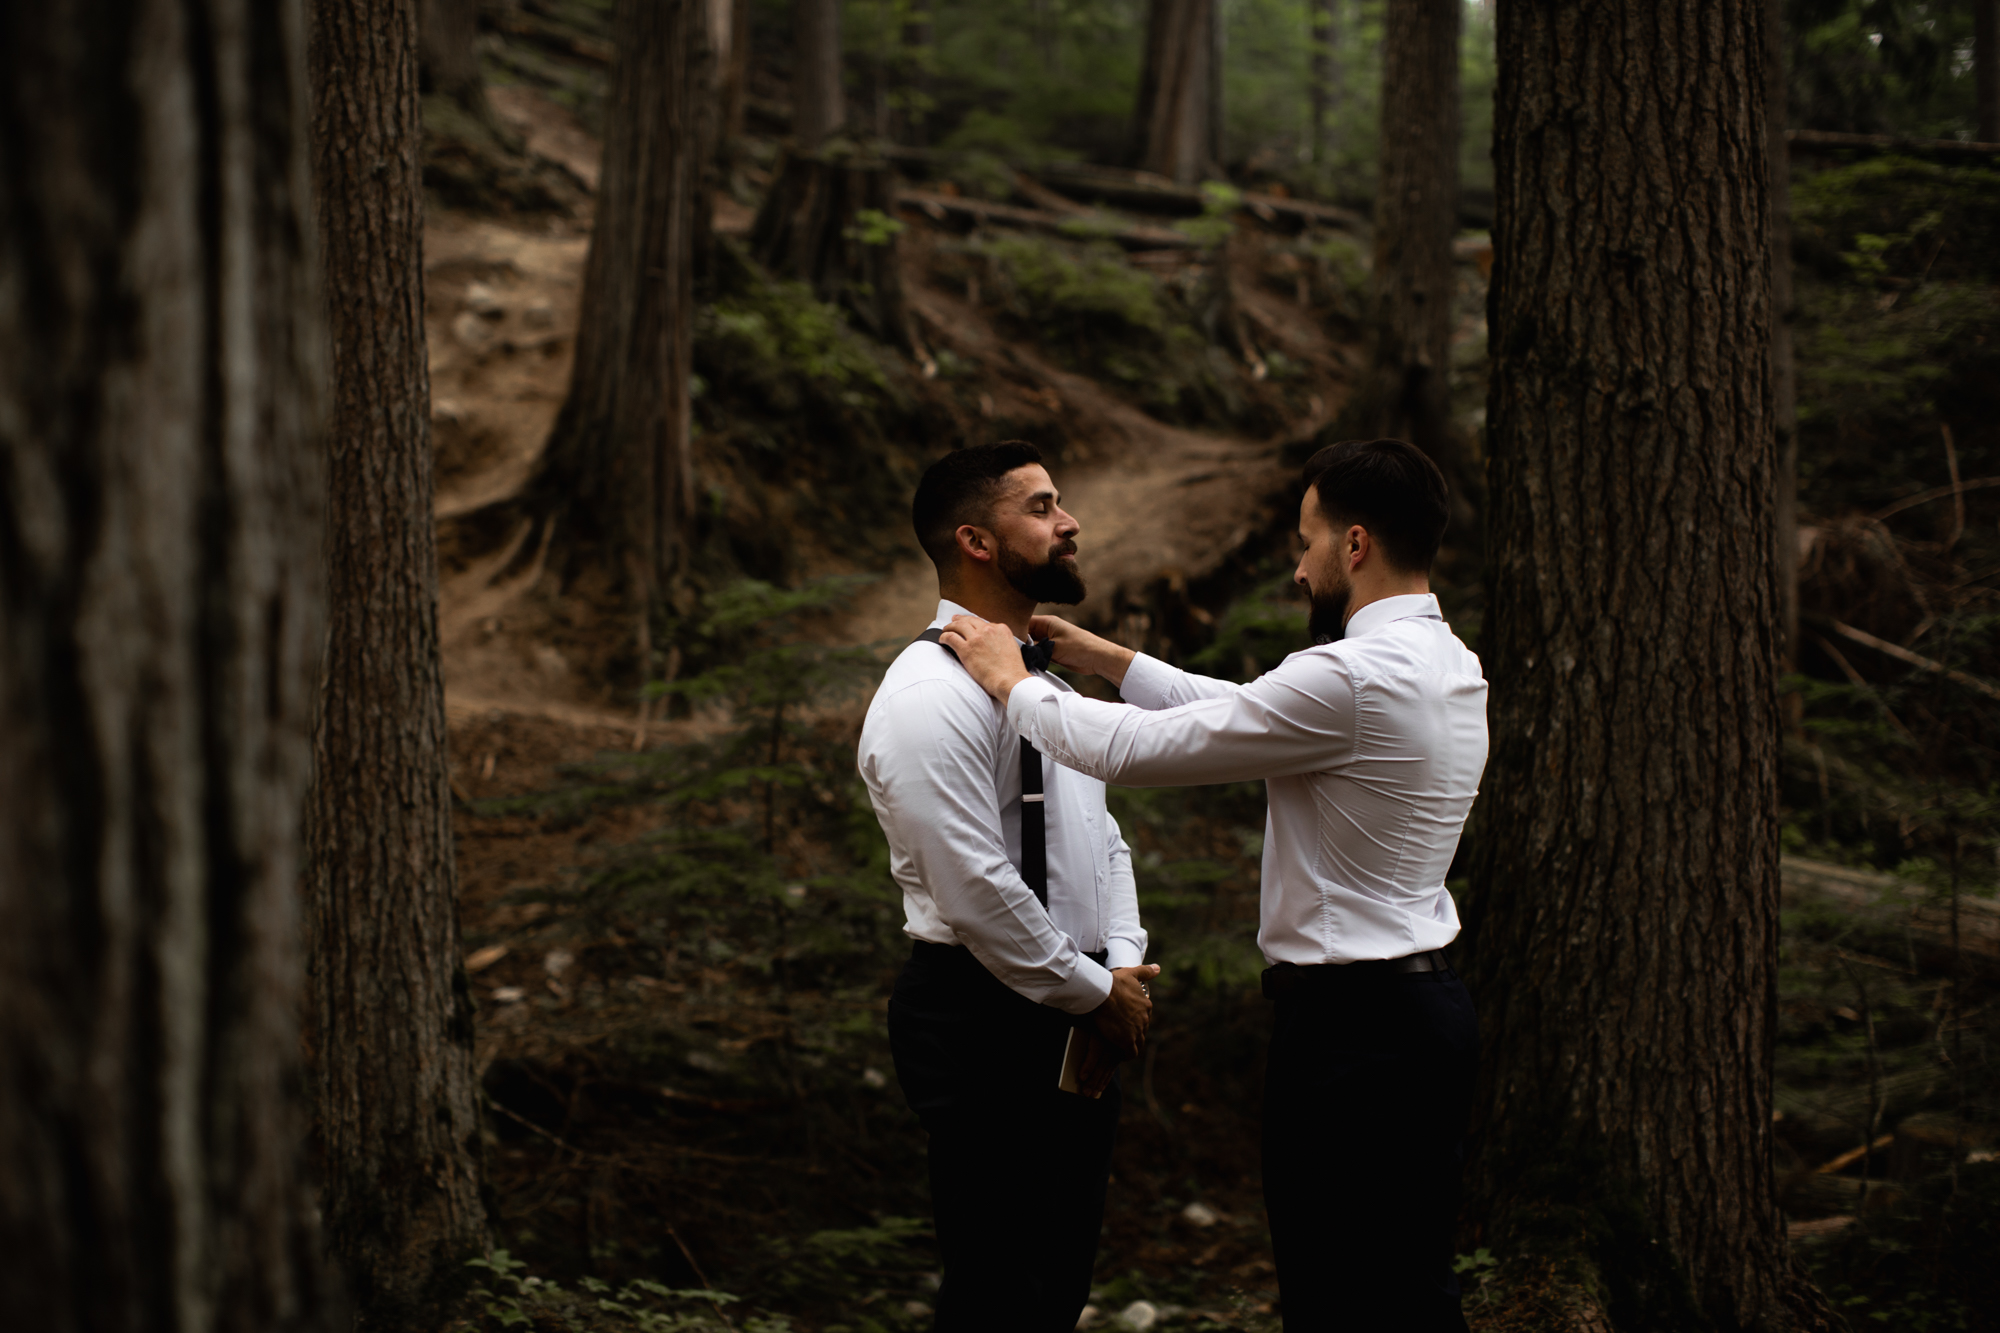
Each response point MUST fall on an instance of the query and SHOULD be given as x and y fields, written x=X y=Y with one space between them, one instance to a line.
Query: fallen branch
x=1917 y=660
x=1853 y=1155
x=1856 y=679
x=1939 y=493
x=1146 y=190
x=1910 y=905
x=1807 y=140
x=982 y=212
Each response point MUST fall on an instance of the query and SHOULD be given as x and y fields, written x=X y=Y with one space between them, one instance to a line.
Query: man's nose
x=1065 y=525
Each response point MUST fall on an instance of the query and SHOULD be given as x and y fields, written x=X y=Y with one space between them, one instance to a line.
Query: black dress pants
x=1018 y=1167
x=1365 y=1103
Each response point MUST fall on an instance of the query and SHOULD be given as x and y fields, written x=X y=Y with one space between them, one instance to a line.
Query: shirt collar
x=1379 y=615
x=948 y=608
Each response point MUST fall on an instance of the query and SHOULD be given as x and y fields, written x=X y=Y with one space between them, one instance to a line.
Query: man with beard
x=1371 y=745
x=1018 y=893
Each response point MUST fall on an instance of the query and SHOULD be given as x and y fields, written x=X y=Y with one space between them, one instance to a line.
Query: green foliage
x=872 y=226
x=1881 y=66
x=1926 y=219
x=1898 y=327
x=1259 y=630
x=511 y=1298
x=1217 y=223
x=775 y=338
x=856 y=1268
x=1098 y=314
x=1089 y=288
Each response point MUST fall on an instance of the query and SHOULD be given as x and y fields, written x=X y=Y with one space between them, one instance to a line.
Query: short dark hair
x=1390 y=487
x=959 y=488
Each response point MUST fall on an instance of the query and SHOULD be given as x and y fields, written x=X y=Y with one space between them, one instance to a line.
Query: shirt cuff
x=1148 y=683
x=1088 y=987
x=1021 y=701
x=1122 y=952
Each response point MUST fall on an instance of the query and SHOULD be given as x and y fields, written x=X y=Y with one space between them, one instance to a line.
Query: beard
x=1051 y=580
x=1327 y=621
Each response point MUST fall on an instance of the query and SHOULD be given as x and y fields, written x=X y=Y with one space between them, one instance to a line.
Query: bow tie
x=1037 y=656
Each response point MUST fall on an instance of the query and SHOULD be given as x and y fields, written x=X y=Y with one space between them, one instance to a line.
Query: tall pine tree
x=389 y=1013
x=1626 y=868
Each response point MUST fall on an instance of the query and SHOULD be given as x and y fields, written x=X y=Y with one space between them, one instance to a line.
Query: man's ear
x=974 y=543
x=1358 y=545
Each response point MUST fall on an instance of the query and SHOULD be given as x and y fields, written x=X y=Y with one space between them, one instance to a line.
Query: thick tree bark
x=1179 y=119
x=1626 y=875
x=1784 y=370
x=160 y=627
x=729 y=39
x=819 y=104
x=616 y=480
x=809 y=229
x=1986 y=68
x=389 y=1014
x=1416 y=215
x=1323 y=74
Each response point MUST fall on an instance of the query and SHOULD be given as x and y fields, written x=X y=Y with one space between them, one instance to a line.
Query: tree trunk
x=1416 y=215
x=616 y=481
x=819 y=105
x=1626 y=875
x=160 y=629
x=389 y=1013
x=729 y=38
x=1324 y=76
x=1986 y=67
x=811 y=228
x=1179 y=118
x=448 y=60
x=914 y=95
x=1784 y=370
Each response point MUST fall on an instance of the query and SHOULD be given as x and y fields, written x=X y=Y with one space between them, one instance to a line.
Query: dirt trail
x=1155 y=501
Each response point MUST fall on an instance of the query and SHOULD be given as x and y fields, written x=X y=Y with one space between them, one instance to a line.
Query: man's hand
x=989 y=651
x=1127 y=1012
x=1080 y=650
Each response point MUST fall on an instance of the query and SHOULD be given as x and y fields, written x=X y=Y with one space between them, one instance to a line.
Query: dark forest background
x=642 y=320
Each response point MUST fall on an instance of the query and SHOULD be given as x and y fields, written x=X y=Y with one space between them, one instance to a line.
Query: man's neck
x=1377 y=591
x=1002 y=605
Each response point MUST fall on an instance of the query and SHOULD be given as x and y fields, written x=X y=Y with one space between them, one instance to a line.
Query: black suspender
x=1034 y=819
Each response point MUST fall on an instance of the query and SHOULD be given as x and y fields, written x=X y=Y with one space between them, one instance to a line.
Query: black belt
x=1034 y=819
x=1286 y=980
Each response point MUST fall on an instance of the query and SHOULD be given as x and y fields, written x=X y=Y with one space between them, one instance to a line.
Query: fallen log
x=1822 y=140
x=1916 y=909
x=1917 y=660
x=982 y=212
x=1145 y=190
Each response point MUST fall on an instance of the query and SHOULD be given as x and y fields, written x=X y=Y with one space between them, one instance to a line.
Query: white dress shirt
x=944 y=773
x=1371 y=750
